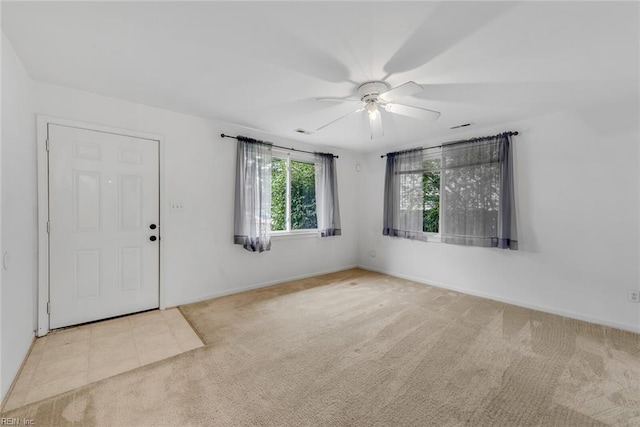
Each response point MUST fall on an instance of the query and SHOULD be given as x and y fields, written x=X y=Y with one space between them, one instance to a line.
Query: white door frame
x=43 y=206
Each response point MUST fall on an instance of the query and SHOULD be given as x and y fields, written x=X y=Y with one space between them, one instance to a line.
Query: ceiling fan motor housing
x=377 y=95
x=370 y=91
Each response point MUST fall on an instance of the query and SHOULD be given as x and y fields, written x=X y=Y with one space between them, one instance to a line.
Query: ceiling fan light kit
x=375 y=94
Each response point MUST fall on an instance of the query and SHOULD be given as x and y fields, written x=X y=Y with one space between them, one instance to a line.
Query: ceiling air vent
x=461 y=126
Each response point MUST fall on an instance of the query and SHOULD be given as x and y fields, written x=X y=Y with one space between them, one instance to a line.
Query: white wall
x=577 y=206
x=200 y=260
x=19 y=226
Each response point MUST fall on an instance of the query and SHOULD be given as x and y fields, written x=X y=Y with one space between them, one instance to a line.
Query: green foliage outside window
x=303 y=196
x=278 y=194
x=431 y=210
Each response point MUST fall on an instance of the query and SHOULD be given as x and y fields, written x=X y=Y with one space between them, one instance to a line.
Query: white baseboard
x=226 y=292
x=559 y=312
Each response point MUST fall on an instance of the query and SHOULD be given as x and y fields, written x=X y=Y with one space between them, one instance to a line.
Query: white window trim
x=288 y=233
x=433 y=237
x=294 y=234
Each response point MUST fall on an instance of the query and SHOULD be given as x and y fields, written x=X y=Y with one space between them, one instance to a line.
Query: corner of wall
x=2 y=391
x=18 y=226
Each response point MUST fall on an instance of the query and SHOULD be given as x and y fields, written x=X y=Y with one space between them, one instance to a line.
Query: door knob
x=153 y=226
x=153 y=238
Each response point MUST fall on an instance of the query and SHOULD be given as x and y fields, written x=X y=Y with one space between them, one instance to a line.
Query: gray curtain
x=477 y=203
x=252 y=221
x=327 y=207
x=404 y=195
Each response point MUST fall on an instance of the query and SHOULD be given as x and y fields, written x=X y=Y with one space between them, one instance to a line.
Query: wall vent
x=461 y=126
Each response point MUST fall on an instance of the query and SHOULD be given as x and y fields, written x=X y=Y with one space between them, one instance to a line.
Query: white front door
x=104 y=225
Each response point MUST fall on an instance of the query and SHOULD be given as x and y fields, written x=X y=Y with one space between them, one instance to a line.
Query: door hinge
x=48 y=227
x=48 y=307
x=47 y=144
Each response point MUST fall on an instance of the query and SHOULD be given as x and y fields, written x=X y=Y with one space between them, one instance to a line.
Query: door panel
x=87 y=201
x=130 y=202
x=103 y=196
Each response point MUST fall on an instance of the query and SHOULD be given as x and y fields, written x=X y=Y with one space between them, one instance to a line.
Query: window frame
x=288 y=156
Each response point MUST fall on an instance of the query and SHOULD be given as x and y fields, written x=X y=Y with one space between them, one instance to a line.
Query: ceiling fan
x=376 y=95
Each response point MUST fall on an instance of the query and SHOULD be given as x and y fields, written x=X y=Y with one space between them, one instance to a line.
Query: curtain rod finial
x=222 y=135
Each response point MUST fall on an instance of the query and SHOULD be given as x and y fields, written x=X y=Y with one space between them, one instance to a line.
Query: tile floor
x=70 y=358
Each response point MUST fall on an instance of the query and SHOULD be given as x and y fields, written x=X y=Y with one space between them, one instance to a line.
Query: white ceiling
x=263 y=64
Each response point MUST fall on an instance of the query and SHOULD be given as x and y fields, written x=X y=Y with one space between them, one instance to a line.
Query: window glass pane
x=303 y=196
x=278 y=194
x=431 y=211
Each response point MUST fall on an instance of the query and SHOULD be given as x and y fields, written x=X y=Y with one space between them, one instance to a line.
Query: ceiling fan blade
x=414 y=112
x=375 y=123
x=340 y=118
x=406 y=89
x=436 y=35
x=332 y=99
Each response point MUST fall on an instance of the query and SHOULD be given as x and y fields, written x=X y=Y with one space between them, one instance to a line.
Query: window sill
x=433 y=237
x=287 y=235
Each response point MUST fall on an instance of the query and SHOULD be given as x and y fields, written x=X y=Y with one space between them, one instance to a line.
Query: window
x=293 y=194
x=276 y=194
x=459 y=193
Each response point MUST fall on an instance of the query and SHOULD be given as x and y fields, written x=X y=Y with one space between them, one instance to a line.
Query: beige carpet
x=363 y=349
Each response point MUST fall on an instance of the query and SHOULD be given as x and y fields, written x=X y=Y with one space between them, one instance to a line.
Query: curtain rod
x=222 y=135
x=455 y=143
